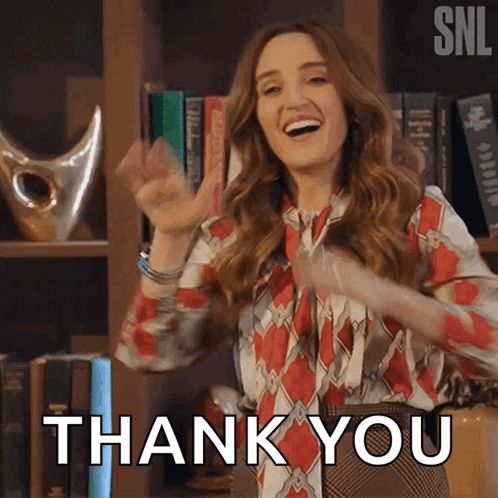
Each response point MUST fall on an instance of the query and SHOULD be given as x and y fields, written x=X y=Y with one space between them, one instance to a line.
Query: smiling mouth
x=301 y=128
x=302 y=131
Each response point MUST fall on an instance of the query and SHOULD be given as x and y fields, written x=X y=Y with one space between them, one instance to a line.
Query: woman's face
x=298 y=107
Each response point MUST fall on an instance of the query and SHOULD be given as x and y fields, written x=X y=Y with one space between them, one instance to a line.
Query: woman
x=354 y=289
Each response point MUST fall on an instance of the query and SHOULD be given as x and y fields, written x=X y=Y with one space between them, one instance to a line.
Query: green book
x=168 y=120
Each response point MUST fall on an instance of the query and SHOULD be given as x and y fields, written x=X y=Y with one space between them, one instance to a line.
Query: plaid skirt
x=353 y=478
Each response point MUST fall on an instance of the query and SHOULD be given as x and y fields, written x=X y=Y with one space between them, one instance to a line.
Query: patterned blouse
x=296 y=351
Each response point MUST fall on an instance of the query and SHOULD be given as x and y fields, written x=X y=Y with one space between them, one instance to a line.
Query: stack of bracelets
x=156 y=276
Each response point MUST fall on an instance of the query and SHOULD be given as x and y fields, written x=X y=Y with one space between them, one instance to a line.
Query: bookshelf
x=150 y=41
x=141 y=41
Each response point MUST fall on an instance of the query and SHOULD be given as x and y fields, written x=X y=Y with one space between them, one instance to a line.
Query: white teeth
x=296 y=125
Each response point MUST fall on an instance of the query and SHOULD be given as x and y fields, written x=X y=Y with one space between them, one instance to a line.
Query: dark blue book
x=15 y=429
x=445 y=105
x=57 y=401
x=419 y=128
x=194 y=111
x=479 y=127
x=395 y=101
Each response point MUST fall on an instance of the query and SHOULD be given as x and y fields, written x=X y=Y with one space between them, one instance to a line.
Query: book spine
x=395 y=102
x=168 y=121
x=215 y=150
x=99 y=485
x=419 y=128
x=148 y=88
x=444 y=105
x=57 y=402
x=479 y=126
x=4 y=357
x=80 y=435
x=37 y=447
x=194 y=110
x=15 y=406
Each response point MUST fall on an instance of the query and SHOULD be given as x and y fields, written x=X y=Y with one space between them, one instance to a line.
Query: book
x=4 y=357
x=444 y=117
x=57 y=401
x=464 y=192
x=80 y=435
x=15 y=428
x=395 y=102
x=99 y=484
x=147 y=90
x=37 y=446
x=147 y=135
x=214 y=146
x=419 y=128
x=194 y=112
x=479 y=127
x=168 y=120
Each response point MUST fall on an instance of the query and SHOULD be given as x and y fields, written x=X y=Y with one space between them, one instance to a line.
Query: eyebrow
x=273 y=72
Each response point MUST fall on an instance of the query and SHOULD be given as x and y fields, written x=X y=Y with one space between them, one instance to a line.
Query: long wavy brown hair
x=384 y=184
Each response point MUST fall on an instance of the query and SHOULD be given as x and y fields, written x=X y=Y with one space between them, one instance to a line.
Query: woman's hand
x=161 y=190
x=334 y=271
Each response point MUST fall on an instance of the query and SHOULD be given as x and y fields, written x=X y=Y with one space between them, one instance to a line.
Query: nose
x=294 y=95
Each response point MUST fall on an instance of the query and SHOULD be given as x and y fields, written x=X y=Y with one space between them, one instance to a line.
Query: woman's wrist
x=167 y=251
x=166 y=257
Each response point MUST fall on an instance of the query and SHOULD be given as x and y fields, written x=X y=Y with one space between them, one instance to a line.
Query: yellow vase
x=473 y=465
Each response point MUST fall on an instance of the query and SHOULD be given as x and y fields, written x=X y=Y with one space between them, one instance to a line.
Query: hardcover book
x=80 y=435
x=168 y=120
x=99 y=485
x=395 y=102
x=3 y=358
x=464 y=192
x=15 y=429
x=57 y=401
x=194 y=113
x=37 y=446
x=479 y=126
x=148 y=89
x=215 y=147
x=419 y=128
x=444 y=111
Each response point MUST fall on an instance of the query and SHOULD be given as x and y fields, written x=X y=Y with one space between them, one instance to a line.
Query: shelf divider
x=65 y=249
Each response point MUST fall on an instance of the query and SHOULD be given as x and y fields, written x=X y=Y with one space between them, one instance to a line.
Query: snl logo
x=462 y=31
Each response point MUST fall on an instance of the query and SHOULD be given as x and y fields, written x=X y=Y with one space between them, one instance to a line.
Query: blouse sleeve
x=457 y=275
x=172 y=332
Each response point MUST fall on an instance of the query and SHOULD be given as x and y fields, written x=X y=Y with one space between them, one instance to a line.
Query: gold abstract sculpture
x=50 y=211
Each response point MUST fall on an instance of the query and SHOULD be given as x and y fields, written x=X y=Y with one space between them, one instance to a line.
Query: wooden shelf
x=99 y=248
x=66 y=249
x=487 y=244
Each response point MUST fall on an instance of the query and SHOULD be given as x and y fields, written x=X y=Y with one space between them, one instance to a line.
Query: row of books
x=194 y=125
x=460 y=143
x=53 y=384
x=457 y=136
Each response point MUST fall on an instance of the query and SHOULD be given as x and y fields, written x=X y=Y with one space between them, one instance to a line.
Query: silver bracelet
x=162 y=278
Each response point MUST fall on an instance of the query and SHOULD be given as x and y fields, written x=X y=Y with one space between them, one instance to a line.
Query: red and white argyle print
x=297 y=351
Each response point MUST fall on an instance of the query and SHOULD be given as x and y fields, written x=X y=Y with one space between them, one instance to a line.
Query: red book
x=214 y=146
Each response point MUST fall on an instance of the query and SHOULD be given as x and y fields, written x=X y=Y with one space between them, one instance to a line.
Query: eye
x=318 y=80
x=271 y=90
